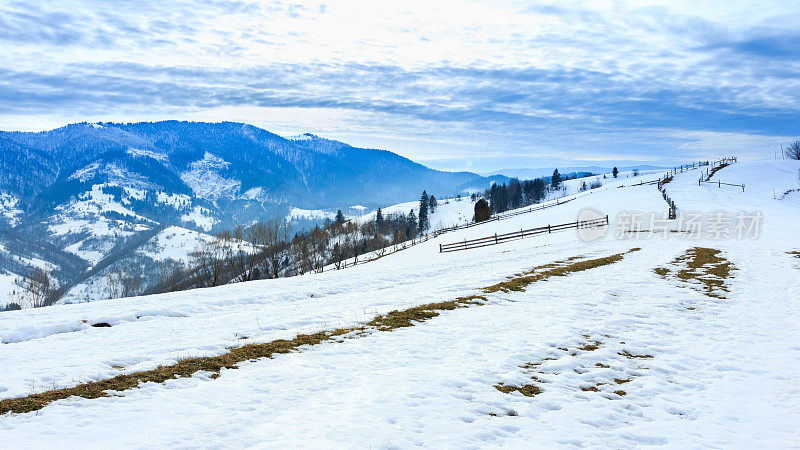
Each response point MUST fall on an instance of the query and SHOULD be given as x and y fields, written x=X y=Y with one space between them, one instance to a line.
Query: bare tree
x=242 y=260
x=339 y=249
x=277 y=239
x=121 y=283
x=208 y=262
x=792 y=151
x=38 y=289
x=320 y=242
x=169 y=273
x=257 y=236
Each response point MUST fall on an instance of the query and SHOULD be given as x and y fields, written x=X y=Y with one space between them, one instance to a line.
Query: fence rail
x=500 y=238
x=720 y=184
x=507 y=215
x=380 y=253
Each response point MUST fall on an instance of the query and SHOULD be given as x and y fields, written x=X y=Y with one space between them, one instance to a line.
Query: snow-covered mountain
x=80 y=197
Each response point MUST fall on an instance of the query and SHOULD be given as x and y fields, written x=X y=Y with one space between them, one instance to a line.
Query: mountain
x=84 y=197
x=527 y=174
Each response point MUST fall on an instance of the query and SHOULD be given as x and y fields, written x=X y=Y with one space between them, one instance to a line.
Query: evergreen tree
x=555 y=181
x=515 y=193
x=504 y=200
x=411 y=229
x=423 y=212
x=615 y=172
x=339 y=217
x=537 y=189
x=433 y=204
x=494 y=199
x=379 y=219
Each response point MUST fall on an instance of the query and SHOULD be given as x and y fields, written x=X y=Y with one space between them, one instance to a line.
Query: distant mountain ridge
x=527 y=174
x=311 y=172
x=86 y=195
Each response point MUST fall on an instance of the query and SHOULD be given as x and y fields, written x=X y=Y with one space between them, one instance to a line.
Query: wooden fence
x=506 y=215
x=377 y=254
x=719 y=183
x=500 y=238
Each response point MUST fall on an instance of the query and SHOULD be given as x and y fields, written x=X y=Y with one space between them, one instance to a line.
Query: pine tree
x=615 y=172
x=423 y=212
x=339 y=217
x=494 y=199
x=379 y=219
x=515 y=192
x=433 y=204
x=411 y=229
x=504 y=199
x=555 y=180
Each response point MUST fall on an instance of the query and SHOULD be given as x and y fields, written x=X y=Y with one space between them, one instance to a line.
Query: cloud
x=569 y=81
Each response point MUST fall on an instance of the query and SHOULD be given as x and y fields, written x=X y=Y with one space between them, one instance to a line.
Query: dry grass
x=590 y=346
x=556 y=269
x=702 y=268
x=411 y=316
x=627 y=354
x=528 y=390
x=795 y=253
x=385 y=322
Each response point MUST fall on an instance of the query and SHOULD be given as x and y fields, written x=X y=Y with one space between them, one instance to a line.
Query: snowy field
x=711 y=372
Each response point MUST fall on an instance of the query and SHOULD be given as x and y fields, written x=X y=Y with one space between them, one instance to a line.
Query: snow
x=177 y=201
x=92 y=254
x=204 y=179
x=7 y=287
x=139 y=152
x=9 y=208
x=302 y=137
x=85 y=173
x=721 y=374
x=174 y=243
x=310 y=214
x=201 y=217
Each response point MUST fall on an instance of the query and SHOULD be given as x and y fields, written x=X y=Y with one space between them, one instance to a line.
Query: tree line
x=518 y=194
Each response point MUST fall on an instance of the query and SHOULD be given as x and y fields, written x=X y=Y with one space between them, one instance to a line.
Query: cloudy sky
x=455 y=85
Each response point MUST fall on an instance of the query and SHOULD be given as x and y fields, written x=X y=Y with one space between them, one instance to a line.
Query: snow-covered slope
x=711 y=372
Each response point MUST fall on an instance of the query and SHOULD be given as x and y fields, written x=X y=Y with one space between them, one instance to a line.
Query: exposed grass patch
x=663 y=271
x=590 y=388
x=184 y=368
x=703 y=269
x=557 y=269
x=250 y=352
x=590 y=346
x=409 y=317
x=528 y=390
x=621 y=393
x=796 y=253
x=627 y=354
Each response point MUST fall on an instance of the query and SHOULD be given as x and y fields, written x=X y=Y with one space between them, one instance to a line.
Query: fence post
x=495 y=238
x=548 y=228
x=719 y=183
x=440 y=248
x=606 y=219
